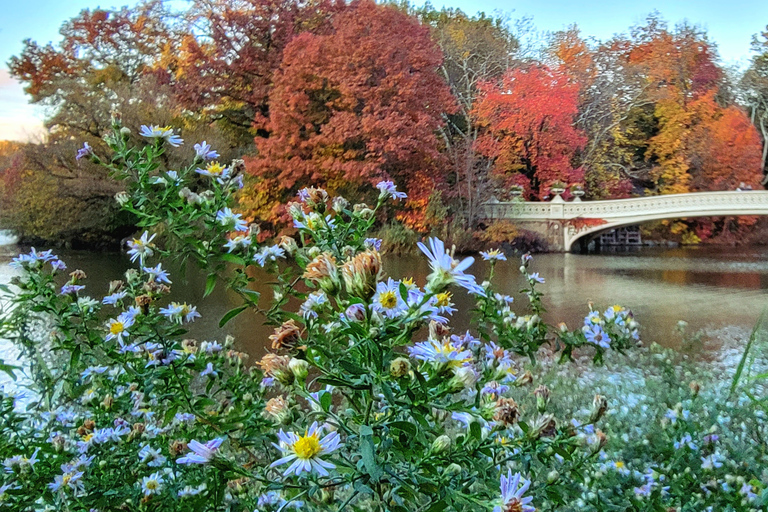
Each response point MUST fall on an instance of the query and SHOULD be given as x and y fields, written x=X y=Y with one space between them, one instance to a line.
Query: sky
x=730 y=25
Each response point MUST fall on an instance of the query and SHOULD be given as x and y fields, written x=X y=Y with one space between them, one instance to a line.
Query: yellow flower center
x=215 y=168
x=307 y=447
x=185 y=309
x=388 y=299
x=66 y=478
x=165 y=129
x=619 y=465
x=116 y=327
x=513 y=506
x=443 y=299
x=408 y=281
x=87 y=437
x=151 y=485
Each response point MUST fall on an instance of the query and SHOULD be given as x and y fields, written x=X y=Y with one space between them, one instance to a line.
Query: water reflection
x=707 y=287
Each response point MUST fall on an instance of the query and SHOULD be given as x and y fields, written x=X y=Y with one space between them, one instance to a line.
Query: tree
x=754 y=88
x=357 y=105
x=527 y=120
x=224 y=63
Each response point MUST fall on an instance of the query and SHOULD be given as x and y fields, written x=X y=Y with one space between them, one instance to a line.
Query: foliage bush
x=367 y=402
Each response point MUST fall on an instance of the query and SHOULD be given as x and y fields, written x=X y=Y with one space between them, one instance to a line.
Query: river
x=708 y=287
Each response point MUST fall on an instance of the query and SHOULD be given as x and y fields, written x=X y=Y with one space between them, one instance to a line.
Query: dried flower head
x=286 y=336
x=507 y=412
x=324 y=272
x=361 y=274
x=276 y=366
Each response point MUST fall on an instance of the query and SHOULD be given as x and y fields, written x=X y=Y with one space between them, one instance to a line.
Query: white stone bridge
x=565 y=223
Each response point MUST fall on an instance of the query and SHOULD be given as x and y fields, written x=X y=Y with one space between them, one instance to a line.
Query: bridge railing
x=745 y=201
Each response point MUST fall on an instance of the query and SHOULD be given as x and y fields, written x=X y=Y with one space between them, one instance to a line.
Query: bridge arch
x=618 y=213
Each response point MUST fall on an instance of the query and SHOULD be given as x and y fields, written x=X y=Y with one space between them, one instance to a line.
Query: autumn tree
x=527 y=120
x=754 y=91
x=223 y=65
x=476 y=49
x=356 y=105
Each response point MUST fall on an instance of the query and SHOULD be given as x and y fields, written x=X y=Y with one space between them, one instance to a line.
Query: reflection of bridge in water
x=564 y=224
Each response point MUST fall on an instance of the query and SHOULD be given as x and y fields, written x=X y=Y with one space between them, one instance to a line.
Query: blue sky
x=730 y=25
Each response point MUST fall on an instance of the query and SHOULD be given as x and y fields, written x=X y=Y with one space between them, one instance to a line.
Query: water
x=709 y=287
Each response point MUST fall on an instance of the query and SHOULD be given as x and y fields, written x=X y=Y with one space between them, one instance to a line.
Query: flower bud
x=441 y=444
x=552 y=476
x=299 y=368
x=276 y=366
x=452 y=469
x=399 y=367
x=695 y=388
x=438 y=331
x=339 y=203
x=463 y=377
x=524 y=379
x=599 y=406
x=542 y=395
x=355 y=313
x=288 y=244
x=277 y=409
x=122 y=198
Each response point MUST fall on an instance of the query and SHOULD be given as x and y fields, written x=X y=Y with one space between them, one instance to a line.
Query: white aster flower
x=305 y=451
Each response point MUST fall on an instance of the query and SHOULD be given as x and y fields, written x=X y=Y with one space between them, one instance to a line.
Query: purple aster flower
x=201 y=453
x=85 y=151
x=388 y=189
x=204 y=151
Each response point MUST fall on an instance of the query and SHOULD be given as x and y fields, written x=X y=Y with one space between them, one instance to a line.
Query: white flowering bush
x=368 y=400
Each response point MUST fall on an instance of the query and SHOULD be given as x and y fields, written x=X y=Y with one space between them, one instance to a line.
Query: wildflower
x=188 y=491
x=597 y=336
x=373 y=243
x=176 y=311
x=686 y=440
x=152 y=484
x=201 y=453
x=85 y=151
x=71 y=288
x=141 y=248
x=203 y=151
x=114 y=298
x=118 y=327
x=286 y=336
x=442 y=301
x=388 y=300
x=237 y=241
x=512 y=490
x=542 y=394
x=446 y=270
x=362 y=273
x=494 y=390
x=267 y=254
x=305 y=451
x=209 y=371
x=34 y=258
x=313 y=304
x=493 y=255
x=226 y=217
x=68 y=479
x=536 y=277
x=151 y=457
x=214 y=170
x=440 y=353
x=746 y=491
x=712 y=461
x=20 y=463
x=157 y=132
x=388 y=189
x=158 y=274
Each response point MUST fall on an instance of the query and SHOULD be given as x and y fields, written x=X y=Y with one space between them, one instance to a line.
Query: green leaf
x=232 y=313
x=325 y=401
x=210 y=284
x=476 y=430
x=408 y=428
x=352 y=368
x=740 y=368
x=368 y=452
x=231 y=258
x=8 y=369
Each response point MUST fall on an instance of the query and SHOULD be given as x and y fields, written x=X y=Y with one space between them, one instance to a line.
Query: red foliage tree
x=527 y=120
x=229 y=71
x=357 y=105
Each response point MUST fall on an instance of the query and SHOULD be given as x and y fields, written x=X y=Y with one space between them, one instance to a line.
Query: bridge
x=565 y=223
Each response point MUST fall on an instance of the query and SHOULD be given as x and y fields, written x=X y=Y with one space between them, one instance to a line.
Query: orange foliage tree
x=527 y=120
x=359 y=104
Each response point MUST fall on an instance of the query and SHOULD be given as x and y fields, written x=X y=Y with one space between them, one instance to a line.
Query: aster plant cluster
x=367 y=401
